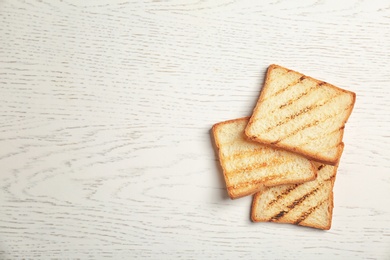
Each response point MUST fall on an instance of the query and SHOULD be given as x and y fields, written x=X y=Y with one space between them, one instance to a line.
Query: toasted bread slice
x=307 y=204
x=301 y=114
x=248 y=165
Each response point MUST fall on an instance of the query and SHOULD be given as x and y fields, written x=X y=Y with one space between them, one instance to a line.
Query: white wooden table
x=106 y=109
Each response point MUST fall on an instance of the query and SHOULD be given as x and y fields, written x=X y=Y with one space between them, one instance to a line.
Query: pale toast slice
x=308 y=204
x=301 y=114
x=248 y=165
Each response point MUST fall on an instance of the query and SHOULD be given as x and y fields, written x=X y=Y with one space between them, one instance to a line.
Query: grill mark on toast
x=299 y=201
x=295 y=203
x=283 y=194
x=290 y=117
x=289 y=102
x=301 y=112
x=242 y=154
x=319 y=136
x=278 y=216
x=255 y=182
x=286 y=88
x=320 y=167
x=331 y=178
x=321 y=83
x=256 y=166
x=233 y=142
x=308 y=125
x=307 y=213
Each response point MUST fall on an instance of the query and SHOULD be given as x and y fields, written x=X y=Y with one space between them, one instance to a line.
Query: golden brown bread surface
x=301 y=114
x=307 y=204
x=248 y=165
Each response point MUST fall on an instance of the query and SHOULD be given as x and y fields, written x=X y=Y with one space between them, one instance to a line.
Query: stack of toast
x=287 y=152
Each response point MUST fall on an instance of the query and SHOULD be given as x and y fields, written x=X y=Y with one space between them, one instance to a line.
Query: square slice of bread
x=301 y=114
x=308 y=204
x=248 y=165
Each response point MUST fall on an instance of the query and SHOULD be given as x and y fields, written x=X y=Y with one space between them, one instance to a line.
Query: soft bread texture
x=301 y=114
x=248 y=165
x=308 y=204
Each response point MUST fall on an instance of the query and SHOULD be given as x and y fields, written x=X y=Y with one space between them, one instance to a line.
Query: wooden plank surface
x=106 y=109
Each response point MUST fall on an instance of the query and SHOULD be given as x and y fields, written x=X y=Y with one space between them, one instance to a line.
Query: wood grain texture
x=106 y=109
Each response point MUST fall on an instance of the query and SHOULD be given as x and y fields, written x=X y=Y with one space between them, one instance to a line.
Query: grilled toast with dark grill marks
x=248 y=165
x=307 y=204
x=301 y=114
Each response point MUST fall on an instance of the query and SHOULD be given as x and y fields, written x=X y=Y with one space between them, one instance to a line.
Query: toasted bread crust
x=254 y=206
x=312 y=156
x=246 y=188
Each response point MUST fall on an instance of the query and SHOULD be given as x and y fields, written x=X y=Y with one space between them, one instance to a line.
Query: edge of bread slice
x=301 y=114
x=248 y=165
x=308 y=204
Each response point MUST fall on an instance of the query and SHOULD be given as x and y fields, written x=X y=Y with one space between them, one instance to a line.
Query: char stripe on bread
x=306 y=214
x=291 y=84
x=301 y=112
x=274 y=162
x=259 y=182
x=298 y=201
x=309 y=139
x=278 y=216
x=291 y=101
x=288 y=189
x=242 y=154
x=312 y=124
